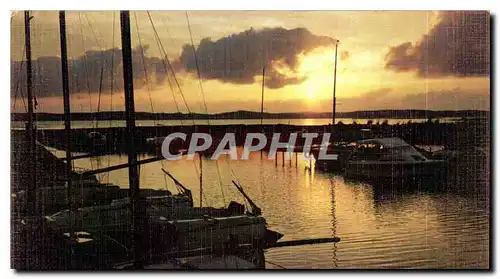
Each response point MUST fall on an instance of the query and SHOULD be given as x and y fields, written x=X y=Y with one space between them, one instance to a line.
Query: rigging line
x=158 y=42
x=168 y=63
x=171 y=89
x=203 y=98
x=173 y=97
x=173 y=43
x=39 y=81
x=175 y=103
x=197 y=67
x=178 y=111
x=148 y=86
x=102 y=66
x=112 y=69
x=273 y=263
x=93 y=32
x=99 y=96
x=234 y=175
x=237 y=180
x=198 y=175
x=220 y=182
x=18 y=81
x=144 y=64
x=165 y=175
x=18 y=78
x=167 y=29
x=69 y=57
x=85 y=61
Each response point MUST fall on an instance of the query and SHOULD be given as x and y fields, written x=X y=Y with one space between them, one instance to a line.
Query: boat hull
x=55 y=199
x=205 y=233
x=333 y=165
x=173 y=222
x=431 y=170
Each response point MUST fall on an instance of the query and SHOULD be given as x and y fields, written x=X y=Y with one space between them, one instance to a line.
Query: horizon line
x=258 y=112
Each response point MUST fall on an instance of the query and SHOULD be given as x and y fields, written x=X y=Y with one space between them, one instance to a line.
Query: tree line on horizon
x=373 y=114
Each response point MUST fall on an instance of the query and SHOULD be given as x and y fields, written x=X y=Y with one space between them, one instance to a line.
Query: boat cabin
x=386 y=149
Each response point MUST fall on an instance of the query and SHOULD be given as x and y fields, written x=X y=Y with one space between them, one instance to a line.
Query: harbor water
x=377 y=229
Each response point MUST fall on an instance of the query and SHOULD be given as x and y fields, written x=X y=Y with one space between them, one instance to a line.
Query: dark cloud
x=458 y=45
x=85 y=72
x=238 y=58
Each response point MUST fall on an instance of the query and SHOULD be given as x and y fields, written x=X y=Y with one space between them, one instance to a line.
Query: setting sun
x=310 y=95
x=299 y=73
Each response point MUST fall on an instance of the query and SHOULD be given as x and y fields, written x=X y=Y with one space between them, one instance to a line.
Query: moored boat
x=381 y=159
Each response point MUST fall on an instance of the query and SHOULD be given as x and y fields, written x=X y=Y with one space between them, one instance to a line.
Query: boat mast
x=335 y=84
x=30 y=128
x=262 y=103
x=262 y=97
x=134 y=190
x=66 y=100
x=201 y=180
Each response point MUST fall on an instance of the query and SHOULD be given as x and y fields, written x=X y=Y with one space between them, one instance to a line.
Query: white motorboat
x=390 y=158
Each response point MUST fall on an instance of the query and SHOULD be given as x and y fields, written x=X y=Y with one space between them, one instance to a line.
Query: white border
x=7 y=6
x=253 y=5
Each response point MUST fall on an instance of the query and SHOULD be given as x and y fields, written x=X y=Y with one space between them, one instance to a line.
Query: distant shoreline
x=373 y=114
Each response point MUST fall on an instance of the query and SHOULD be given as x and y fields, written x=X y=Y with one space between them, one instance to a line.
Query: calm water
x=116 y=123
x=410 y=230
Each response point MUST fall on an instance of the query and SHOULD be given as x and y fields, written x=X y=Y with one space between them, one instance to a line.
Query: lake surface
x=305 y=122
x=395 y=230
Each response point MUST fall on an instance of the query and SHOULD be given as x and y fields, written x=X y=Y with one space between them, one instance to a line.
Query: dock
x=444 y=134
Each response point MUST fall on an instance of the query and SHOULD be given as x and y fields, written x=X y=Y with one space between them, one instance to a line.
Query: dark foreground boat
x=141 y=231
x=52 y=193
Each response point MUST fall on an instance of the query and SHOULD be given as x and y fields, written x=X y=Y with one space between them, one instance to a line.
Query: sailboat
x=138 y=232
x=38 y=176
x=116 y=218
x=342 y=150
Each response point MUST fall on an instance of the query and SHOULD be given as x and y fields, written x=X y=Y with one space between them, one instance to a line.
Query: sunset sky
x=386 y=60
